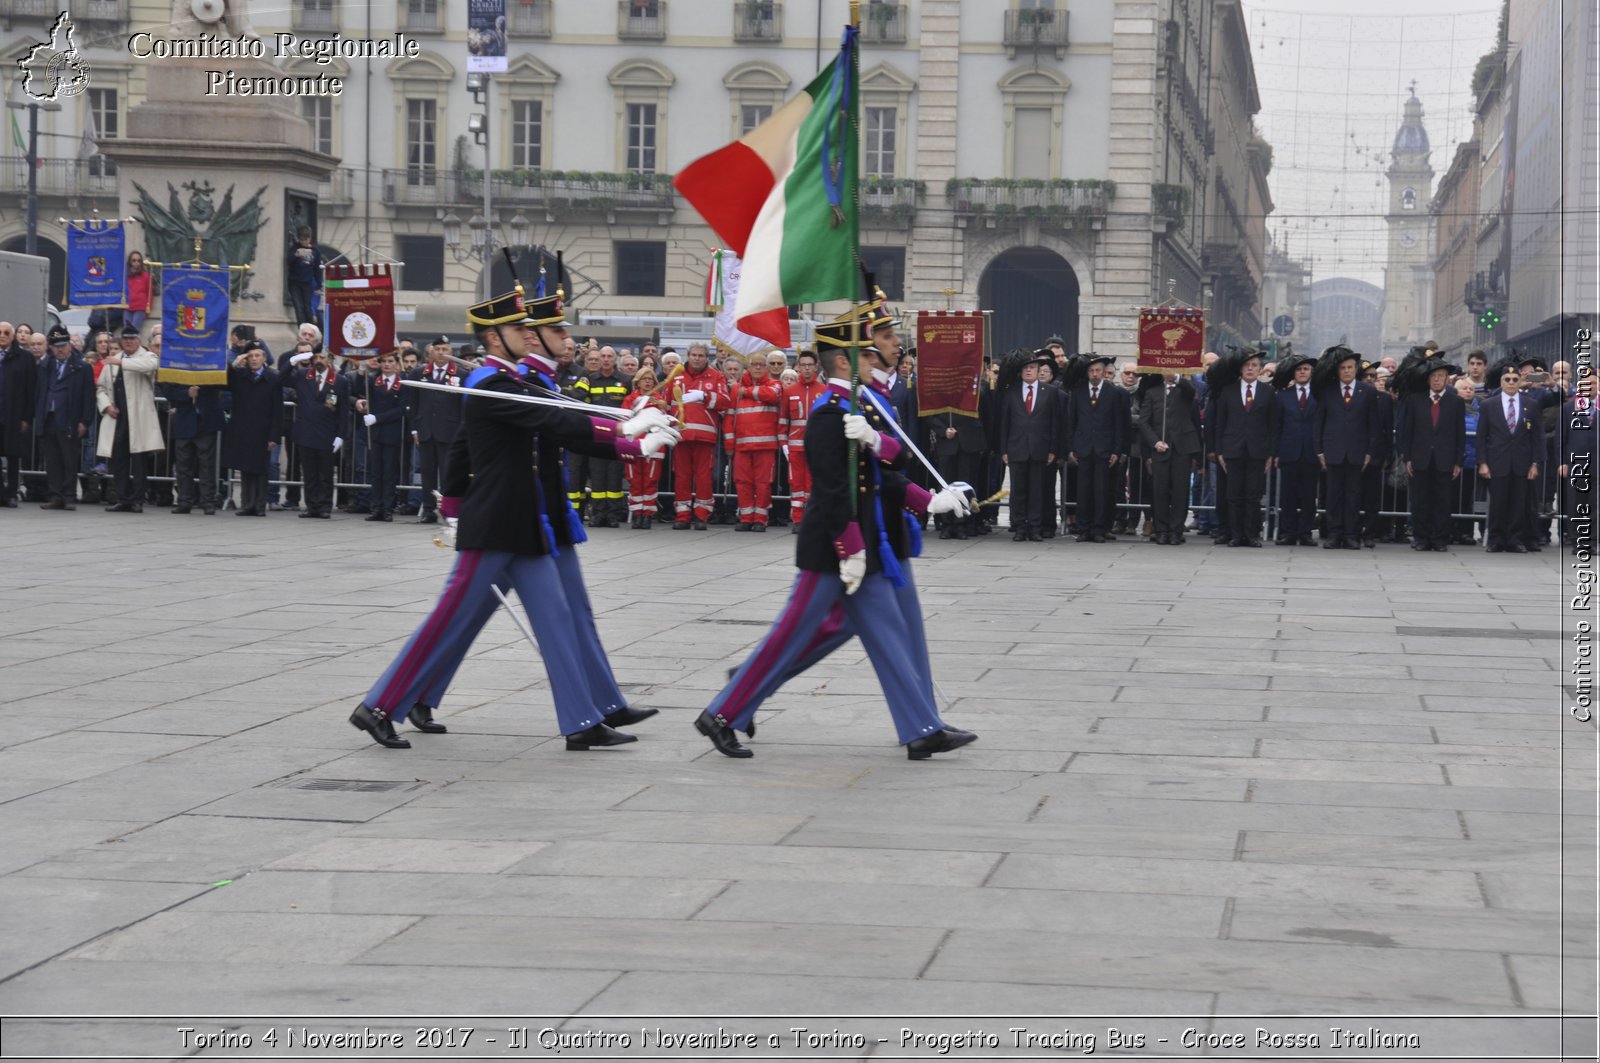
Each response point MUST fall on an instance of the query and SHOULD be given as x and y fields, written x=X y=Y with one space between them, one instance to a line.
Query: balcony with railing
x=888 y=200
x=528 y=18
x=550 y=190
x=316 y=16
x=422 y=16
x=1169 y=204
x=642 y=20
x=1059 y=204
x=1036 y=28
x=30 y=9
x=757 y=21
x=884 y=23
x=60 y=177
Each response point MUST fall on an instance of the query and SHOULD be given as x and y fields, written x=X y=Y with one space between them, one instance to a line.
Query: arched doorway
x=1034 y=294
x=58 y=267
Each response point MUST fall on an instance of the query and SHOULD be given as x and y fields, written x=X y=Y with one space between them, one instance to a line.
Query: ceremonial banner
x=486 y=36
x=1171 y=338
x=722 y=294
x=949 y=361
x=360 y=305
x=97 y=263
x=194 y=320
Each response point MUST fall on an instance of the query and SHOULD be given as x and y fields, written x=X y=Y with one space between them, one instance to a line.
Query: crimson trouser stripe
x=781 y=641
x=388 y=691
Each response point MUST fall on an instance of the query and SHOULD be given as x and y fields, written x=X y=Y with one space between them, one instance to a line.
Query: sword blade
x=615 y=413
x=901 y=432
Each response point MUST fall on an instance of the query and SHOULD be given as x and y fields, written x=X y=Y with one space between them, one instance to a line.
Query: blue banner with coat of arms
x=97 y=265
x=194 y=320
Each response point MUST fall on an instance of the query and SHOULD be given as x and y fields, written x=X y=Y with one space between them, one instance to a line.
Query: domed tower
x=1410 y=250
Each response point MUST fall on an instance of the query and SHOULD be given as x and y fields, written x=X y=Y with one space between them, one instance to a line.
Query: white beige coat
x=144 y=429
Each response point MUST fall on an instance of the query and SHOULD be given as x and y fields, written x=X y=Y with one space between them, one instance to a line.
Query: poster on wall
x=486 y=36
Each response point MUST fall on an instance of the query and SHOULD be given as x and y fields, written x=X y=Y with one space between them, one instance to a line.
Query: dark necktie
x=1436 y=411
x=1347 y=394
x=1249 y=395
x=1029 y=403
x=1511 y=421
x=1094 y=395
x=1302 y=398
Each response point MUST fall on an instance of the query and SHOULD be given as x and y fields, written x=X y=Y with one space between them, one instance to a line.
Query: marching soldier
x=852 y=580
x=506 y=489
x=322 y=407
x=793 y=412
x=435 y=418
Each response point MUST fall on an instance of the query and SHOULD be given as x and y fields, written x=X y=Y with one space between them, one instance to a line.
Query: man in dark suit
x=435 y=417
x=1169 y=425
x=1246 y=434
x=1297 y=456
x=194 y=419
x=322 y=409
x=1030 y=435
x=1098 y=425
x=381 y=411
x=1545 y=398
x=1374 y=476
x=1343 y=431
x=63 y=407
x=18 y=387
x=1510 y=444
x=1432 y=440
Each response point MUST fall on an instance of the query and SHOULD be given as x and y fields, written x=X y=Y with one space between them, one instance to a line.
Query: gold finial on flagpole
x=855 y=13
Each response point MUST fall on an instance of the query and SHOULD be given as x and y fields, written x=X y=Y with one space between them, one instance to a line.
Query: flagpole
x=852 y=448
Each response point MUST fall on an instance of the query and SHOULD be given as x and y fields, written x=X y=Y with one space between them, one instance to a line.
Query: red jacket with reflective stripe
x=753 y=423
x=700 y=418
x=794 y=408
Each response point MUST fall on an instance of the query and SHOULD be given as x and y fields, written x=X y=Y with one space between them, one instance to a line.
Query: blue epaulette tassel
x=549 y=536
x=914 y=534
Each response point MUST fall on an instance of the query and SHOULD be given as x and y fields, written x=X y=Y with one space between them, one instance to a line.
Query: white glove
x=446 y=536
x=950 y=500
x=643 y=421
x=657 y=442
x=853 y=570
x=857 y=428
x=369 y=420
x=301 y=359
x=337 y=443
x=694 y=396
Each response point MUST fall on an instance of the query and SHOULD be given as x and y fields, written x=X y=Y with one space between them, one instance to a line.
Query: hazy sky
x=1332 y=87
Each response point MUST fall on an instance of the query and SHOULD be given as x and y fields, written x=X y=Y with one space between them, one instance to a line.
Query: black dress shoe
x=421 y=717
x=721 y=737
x=626 y=716
x=939 y=742
x=1281 y=541
x=309 y=514
x=1237 y=542
x=758 y=527
x=1349 y=544
x=1370 y=543
x=598 y=735
x=1100 y=538
x=741 y=527
x=1019 y=537
x=680 y=525
x=1421 y=547
x=182 y=509
x=699 y=525
x=1083 y=538
x=1035 y=537
x=1441 y=548
x=1516 y=548
x=210 y=511
x=1179 y=539
x=1304 y=540
x=428 y=517
x=1253 y=542
x=1331 y=544
x=1532 y=548
x=379 y=726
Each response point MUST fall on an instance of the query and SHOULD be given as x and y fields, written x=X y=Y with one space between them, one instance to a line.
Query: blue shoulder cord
x=476 y=379
x=891 y=564
x=574 y=522
x=913 y=525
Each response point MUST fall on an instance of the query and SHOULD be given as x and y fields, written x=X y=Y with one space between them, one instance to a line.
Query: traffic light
x=1489 y=320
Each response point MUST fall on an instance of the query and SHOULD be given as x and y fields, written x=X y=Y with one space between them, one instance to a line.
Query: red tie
x=1249 y=395
x=1302 y=398
x=1436 y=411
x=1094 y=395
x=1347 y=394
x=1029 y=403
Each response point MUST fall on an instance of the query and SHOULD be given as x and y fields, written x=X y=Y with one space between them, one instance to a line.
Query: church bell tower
x=1410 y=246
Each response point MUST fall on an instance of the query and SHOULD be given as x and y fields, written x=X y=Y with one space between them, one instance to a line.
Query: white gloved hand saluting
x=646 y=419
x=369 y=420
x=950 y=500
x=337 y=443
x=694 y=396
x=853 y=570
x=857 y=428
x=301 y=359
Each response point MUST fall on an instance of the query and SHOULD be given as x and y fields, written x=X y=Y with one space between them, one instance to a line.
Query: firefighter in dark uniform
x=607 y=502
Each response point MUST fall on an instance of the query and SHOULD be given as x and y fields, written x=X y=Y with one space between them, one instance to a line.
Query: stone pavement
x=1209 y=783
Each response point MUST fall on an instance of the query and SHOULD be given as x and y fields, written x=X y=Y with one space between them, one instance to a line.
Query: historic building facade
x=1408 y=276
x=1056 y=165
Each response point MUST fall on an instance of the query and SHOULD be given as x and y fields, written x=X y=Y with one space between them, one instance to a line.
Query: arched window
x=641 y=87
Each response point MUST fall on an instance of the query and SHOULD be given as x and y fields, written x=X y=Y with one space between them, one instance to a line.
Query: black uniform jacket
x=828 y=515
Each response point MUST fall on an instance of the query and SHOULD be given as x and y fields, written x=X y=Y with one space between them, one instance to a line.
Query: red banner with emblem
x=1171 y=338
x=949 y=361
x=360 y=310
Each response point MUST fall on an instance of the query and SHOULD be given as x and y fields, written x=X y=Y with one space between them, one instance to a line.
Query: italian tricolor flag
x=783 y=198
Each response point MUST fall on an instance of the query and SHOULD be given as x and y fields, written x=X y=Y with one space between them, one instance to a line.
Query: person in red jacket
x=138 y=291
x=644 y=474
x=699 y=394
x=793 y=411
x=752 y=432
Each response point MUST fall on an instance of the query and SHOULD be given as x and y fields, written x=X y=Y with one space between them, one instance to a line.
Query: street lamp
x=33 y=109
